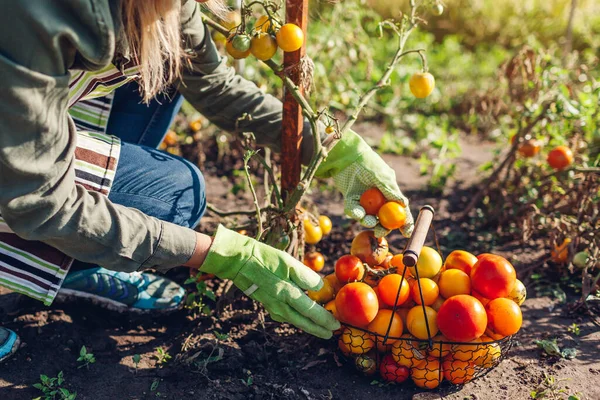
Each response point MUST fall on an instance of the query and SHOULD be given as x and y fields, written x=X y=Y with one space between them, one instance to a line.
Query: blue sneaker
x=120 y=291
x=9 y=343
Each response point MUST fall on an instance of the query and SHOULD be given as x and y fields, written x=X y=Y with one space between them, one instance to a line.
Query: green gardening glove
x=271 y=277
x=355 y=167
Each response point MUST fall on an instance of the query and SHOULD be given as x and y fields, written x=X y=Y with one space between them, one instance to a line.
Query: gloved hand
x=355 y=167
x=271 y=277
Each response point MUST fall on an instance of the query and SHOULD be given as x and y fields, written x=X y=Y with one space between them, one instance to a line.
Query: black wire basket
x=428 y=361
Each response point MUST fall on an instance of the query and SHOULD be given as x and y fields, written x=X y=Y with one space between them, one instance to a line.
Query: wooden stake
x=291 y=140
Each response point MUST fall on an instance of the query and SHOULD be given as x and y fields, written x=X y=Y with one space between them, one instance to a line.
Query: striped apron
x=34 y=268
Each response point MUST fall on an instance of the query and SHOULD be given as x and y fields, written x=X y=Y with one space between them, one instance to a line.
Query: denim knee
x=192 y=203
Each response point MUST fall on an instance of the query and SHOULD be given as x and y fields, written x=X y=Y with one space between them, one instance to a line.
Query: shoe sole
x=13 y=350
x=66 y=295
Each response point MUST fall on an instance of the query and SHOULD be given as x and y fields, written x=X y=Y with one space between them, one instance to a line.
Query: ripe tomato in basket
x=493 y=276
x=392 y=372
x=462 y=318
x=357 y=304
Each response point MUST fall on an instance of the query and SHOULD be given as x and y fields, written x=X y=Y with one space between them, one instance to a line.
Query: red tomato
x=372 y=200
x=392 y=372
x=349 y=269
x=357 y=304
x=462 y=318
x=493 y=276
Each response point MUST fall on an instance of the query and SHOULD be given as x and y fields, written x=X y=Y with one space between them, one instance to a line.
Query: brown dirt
x=282 y=363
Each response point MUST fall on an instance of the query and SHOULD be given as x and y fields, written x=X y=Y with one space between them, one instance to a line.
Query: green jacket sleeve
x=215 y=90
x=39 y=199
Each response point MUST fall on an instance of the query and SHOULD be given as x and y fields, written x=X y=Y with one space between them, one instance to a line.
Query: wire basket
x=427 y=361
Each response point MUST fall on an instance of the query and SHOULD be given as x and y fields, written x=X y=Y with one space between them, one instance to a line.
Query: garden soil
x=260 y=359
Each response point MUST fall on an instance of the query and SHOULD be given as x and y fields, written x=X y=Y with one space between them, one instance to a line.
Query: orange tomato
x=325 y=224
x=458 y=372
x=530 y=148
x=460 y=259
x=290 y=37
x=330 y=306
x=357 y=304
x=355 y=341
x=372 y=200
x=427 y=288
x=504 y=316
x=405 y=353
x=233 y=52
x=467 y=351
x=421 y=84
x=396 y=262
x=427 y=374
x=388 y=289
x=417 y=322
x=560 y=157
x=386 y=323
x=349 y=268
x=369 y=249
x=392 y=215
x=493 y=276
x=462 y=318
x=453 y=282
x=314 y=260
x=264 y=46
x=560 y=254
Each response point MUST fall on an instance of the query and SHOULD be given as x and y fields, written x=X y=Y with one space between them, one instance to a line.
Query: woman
x=70 y=191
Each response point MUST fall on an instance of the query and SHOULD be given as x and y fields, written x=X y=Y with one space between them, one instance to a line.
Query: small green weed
x=161 y=356
x=85 y=358
x=52 y=390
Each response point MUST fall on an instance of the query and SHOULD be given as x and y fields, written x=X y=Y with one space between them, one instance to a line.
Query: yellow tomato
x=429 y=263
x=233 y=52
x=417 y=322
x=356 y=341
x=264 y=46
x=323 y=295
x=421 y=84
x=312 y=234
x=519 y=293
x=325 y=224
x=290 y=37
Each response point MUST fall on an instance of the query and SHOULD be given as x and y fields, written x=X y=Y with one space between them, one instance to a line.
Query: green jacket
x=42 y=40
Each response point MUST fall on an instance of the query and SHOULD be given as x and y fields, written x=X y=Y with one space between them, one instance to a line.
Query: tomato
x=428 y=264
x=437 y=304
x=330 y=306
x=560 y=157
x=322 y=295
x=437 y=9
x=264 y=46
x=427 y=288
x=195 y=125
x=355 y=341
x=312 y=234
x=241 y=42
x=386 y=323
x=439 y=349
x=417 y=322
x=392 y=215
x=396 y=262
x=365 y=364
x=329 y=130
x=421 y=84
x=427 y=374
x=488 y=354
x=349 y=268
x=372 y=200
x=386 y=263
x=467 y=351
x=369 y=249
x=458 y=372
x=236 y=54
x=388 y=289
x=560 y=254
x=493 y=276
x=170 y=138
x=504 y=316
x=462 y=318
x=453 y=282
x=262 y=24
x=460 y=259
x=314 y=260
x=325 y=224
x=530 y=148
x=519 y=293
x=390 y=371
x=290 y=37
x=334 y=281
x=357 y=304
x=405 y=353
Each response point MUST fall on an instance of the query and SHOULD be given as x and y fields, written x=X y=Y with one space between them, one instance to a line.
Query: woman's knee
x=191 y=193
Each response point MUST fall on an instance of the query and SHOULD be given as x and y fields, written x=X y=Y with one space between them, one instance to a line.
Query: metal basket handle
x=417 y=240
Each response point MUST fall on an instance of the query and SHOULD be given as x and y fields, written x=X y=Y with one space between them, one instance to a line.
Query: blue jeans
x=157 y=183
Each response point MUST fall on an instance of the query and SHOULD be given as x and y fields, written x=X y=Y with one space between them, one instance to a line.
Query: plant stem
x=254 y=196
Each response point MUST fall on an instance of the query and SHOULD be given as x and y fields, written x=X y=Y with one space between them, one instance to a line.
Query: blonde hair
x=153 y=30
